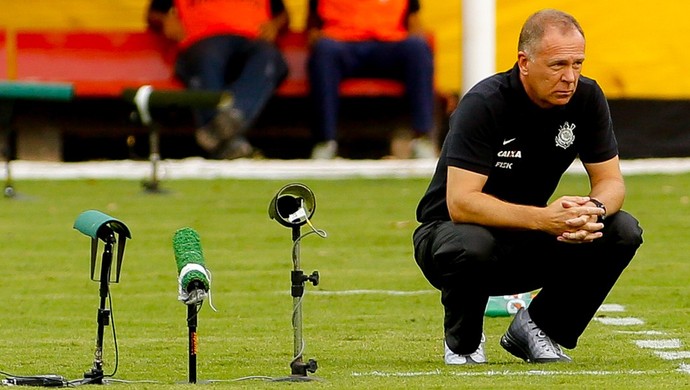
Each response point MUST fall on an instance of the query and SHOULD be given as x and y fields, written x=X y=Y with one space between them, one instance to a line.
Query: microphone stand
x=298 y=367
x=191 y=324
x=197 y=292
x=95 y=375
x=292 y=207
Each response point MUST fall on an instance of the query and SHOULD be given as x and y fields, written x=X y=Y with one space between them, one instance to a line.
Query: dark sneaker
x=235 y=148
x=227 y=123
x=525 y=340
x=476 y=357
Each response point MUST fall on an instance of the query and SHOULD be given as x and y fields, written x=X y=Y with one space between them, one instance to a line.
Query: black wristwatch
x=597 y=203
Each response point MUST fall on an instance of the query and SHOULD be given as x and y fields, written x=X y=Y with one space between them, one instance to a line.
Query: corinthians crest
x=565 y=136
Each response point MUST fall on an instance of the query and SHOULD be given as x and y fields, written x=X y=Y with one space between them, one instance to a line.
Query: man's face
x=550 y=74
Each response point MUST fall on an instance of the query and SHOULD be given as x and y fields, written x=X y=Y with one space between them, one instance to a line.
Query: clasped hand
x=575 y=221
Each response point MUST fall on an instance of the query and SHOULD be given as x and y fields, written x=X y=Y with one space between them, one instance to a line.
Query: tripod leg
x=6 y=111
x=153 y=185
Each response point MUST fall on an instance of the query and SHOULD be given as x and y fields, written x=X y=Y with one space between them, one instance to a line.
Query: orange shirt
x=204 y=18
x=359 y=20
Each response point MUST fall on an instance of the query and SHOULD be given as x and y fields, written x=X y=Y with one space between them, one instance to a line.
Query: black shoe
x=525 y=340
x=228 y=123
x=235 y=148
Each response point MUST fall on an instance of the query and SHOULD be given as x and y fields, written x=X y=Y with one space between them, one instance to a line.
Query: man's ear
x=523 y=62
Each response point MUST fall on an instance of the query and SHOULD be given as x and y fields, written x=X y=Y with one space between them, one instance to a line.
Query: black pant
x=469 y=263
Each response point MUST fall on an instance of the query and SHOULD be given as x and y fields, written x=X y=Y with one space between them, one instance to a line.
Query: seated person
x=225 y=45
x=369 y=38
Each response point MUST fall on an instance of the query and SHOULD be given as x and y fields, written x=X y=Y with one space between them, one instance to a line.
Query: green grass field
x=372 y=339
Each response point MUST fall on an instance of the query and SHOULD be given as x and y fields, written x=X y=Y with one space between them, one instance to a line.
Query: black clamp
x=298 y=279
x=300 y=368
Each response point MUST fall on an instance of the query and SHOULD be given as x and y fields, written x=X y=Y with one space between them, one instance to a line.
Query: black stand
x=153 y=185
x=298 y=367
x=197 y=293
x=142 y=98
x=6 y=108
x=11 y=91
x=95 y=375
x=145 y=97
x=191 y=324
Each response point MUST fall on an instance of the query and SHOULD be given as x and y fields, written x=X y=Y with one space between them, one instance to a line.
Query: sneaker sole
x=468 y=362
x=511 y=346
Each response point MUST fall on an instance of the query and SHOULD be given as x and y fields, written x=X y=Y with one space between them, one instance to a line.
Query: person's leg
x=263 y=70
x=448 y=255
x=327 y=64
x=451 y=257
x=414 y=58
x=582 y=277
x=470 y=263
x=410 y=61
x=202 y=67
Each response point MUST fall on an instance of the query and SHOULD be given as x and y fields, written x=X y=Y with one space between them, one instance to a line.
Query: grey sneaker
x=327 y=150
x=525 y=340
x=404 y=145
x=476 y=357
x=423 y=147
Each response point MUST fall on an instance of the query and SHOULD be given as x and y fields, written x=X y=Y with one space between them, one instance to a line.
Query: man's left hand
x=268 y=32
x=585 y=228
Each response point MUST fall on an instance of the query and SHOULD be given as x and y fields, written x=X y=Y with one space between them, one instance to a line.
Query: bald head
x=535 y=26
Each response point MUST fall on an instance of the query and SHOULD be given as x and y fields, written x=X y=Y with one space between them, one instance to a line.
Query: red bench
x=62 y=65
x=3 y=55
x=103 y=64
x=97 y=64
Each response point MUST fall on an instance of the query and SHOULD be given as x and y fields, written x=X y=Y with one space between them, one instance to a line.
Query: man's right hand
x=172 y=27
x=573 y=221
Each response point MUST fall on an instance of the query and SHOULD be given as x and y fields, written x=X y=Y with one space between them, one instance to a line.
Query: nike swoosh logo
x=507 y=141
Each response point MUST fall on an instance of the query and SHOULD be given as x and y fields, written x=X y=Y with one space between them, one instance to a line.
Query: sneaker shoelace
x=545 y=341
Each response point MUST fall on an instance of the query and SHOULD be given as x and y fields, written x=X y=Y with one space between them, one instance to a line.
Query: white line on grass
x=673 y=355
x=611 y=307
x=619 y=321
x=658 y=344
x=684 y=368
x=198 y=168
x=649 y=344
x=397 y=374
x=372 y=292
x=507 y=373
x=642 y=332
